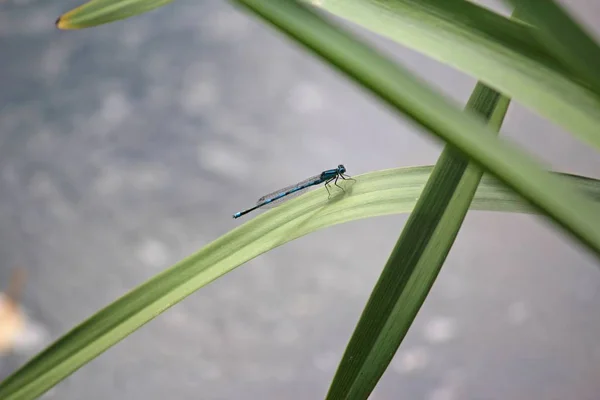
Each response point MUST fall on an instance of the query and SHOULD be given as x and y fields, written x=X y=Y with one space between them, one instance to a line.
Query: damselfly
x=286 y=193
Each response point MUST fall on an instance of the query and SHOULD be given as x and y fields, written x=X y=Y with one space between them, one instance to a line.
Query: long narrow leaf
x=400 y=90
x=378 y=193
x=415 y=261
x=502 y=53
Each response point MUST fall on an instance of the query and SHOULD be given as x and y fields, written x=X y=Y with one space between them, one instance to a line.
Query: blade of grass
x=495 y=50
x=99 y=12
x=405 y=94
x=415 y=261
x=373 y=194
x=563 y=37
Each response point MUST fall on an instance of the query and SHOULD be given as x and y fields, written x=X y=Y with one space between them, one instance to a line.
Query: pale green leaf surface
x=373 y=194
x=497 y=51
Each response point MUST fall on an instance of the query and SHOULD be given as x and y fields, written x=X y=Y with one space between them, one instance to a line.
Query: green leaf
x=563 y=37
x=99 y=12
x=373 y=194
x=405 y=94
x=497 y=51
x=415 y=261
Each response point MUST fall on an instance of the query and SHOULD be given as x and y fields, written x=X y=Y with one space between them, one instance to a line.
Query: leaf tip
x=62 y=23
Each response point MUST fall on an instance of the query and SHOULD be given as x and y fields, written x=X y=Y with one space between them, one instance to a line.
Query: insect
x=286 y=193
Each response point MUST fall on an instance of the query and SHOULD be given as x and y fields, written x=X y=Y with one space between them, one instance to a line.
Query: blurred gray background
x=126 y=147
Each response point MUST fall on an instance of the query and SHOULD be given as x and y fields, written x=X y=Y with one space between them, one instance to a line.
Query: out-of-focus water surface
x=126 y=147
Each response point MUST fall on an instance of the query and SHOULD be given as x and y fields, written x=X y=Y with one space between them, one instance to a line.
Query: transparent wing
x=304 y=186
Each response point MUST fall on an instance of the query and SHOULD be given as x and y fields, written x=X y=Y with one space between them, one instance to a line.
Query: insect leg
x=347 y=177
x=335 y=183
x=327 y=187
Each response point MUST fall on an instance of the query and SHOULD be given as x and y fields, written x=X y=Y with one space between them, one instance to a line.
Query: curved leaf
x=378 y=193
